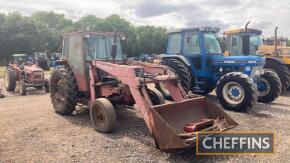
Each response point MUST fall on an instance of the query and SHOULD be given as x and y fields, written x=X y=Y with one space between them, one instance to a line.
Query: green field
x=2 y=71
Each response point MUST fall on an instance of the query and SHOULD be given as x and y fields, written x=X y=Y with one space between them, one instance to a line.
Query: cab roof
x=19 y=55
x=202 y=29
x=242 y=30
x=84 y=32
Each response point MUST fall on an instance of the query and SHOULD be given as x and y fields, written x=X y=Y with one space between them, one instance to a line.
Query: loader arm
x=166 y=121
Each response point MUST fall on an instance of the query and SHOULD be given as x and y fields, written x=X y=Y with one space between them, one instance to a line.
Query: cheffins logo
x=229 y=143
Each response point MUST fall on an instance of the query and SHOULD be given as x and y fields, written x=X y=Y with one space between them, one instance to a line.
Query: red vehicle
x=94 y=73
x=21 y=74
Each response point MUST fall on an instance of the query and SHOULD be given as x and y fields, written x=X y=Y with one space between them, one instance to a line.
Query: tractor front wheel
x=103 y=115
x=269 y=87
x=156 y=96
x=22 y=88
x=236 y=91
x=10 y=79
x=63 y=91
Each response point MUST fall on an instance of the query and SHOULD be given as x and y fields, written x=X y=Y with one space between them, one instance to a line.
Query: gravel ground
x=30 y=131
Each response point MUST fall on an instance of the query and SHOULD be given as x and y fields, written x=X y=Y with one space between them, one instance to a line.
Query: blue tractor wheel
x=183 y=72
x=270 y=87
x=236 y=91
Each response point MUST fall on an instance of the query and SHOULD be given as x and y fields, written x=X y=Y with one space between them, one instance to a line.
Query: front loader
x=92 y=72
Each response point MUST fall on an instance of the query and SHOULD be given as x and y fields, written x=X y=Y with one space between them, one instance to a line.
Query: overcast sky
x=264 y=14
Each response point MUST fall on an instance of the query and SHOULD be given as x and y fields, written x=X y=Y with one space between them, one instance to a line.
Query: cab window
x=191 y=43
x=174 y=43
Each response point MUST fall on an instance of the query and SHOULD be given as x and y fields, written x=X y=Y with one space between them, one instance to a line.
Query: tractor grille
x=37 y=76
x=139 y=72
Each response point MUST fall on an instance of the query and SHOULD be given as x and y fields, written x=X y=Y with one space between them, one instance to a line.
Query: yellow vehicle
x=277 y=56
x=276 y=47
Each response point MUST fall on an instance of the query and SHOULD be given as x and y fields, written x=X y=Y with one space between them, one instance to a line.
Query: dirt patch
x=2 y=71
x=30 y=131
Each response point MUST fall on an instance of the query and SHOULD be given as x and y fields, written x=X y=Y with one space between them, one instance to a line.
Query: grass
x=2 y=71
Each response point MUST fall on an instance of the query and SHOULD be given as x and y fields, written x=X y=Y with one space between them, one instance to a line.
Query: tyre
x=282 y=71
x=10 y=79
x=269 y=87
x=236 y=91
x=22 y=88
x=182 y=71
x=156 y=96
x=166 y=94
x=103 y=115
x=63 y=91
x=46 y=85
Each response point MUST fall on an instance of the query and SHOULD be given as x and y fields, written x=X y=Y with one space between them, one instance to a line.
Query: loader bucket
x=170 y=120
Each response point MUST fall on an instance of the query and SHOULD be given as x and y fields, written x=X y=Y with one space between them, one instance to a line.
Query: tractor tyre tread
x=109 y=113
x=156 y=96
x=12 y=79
x=22 y=88
x=282 y=72
x=275 y=87
x=181 y=70
x=71 y=90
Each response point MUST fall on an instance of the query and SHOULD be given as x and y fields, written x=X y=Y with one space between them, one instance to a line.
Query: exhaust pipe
x=276 y=40
x=246 y=26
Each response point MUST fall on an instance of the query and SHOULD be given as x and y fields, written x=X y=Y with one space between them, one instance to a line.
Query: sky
x=225 y=14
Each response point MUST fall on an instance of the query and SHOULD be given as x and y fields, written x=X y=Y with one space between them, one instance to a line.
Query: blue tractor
x=196 y=56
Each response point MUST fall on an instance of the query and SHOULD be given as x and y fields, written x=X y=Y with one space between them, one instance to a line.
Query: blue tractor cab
x=196 y=56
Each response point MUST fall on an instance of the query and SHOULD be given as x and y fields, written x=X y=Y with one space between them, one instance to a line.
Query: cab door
x=192 y=51
x=73 y=52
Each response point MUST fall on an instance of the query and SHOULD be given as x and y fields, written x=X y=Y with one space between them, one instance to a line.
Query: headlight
x=257 y=71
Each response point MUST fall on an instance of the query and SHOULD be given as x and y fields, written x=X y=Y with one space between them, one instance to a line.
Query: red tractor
x=93 y=73
x=22 y=74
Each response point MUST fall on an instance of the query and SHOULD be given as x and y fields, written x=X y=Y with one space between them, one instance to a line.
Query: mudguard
x=182 y=58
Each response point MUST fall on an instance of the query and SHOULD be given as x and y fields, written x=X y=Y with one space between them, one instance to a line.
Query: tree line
x=42 y=31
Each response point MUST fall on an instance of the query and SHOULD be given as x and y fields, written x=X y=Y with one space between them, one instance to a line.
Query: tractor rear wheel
x=282 y=72
x=181 y=70
x=270 y=87
x=63 y=91
x=236 y=91
x=10 y=79
x=156 y=96
x=103 y=115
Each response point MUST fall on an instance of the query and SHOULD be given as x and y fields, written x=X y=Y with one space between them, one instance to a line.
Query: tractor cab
x=79 y=48
x=200 y=47
x=235 y=45
x=19 y=58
